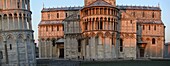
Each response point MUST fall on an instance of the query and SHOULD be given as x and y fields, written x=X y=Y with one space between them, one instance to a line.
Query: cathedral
x=101 y=30
x=16 y=34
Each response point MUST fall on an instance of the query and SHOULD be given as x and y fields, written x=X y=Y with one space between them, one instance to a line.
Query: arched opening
x=153 y=41
x=109 y=23
x=53 y=42
x=5 y=16
x=0 y=22
x=5 y=23
x=121 y=45
x=105 y=23
x=10 y=22
x=20 y=21
x=86 y=25
x=143 y=14
x=10 y=45
x=93 y=20
x=97 y=23
x=112 y=26
x=108 y=11
x=155 y=27
x=25 y=21
x=15 y=21
x=143 y=27
x=101 y=23
x=97 y=10
x=149 y=27
x=153 y=15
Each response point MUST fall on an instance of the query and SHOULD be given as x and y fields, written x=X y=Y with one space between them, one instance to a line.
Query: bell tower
x=16 y=34
x=15 y=4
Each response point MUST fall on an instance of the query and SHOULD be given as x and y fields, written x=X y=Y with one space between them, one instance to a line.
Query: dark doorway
x=142 y=52
x=61 y=53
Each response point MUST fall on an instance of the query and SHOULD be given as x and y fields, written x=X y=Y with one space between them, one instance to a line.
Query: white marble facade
x=103 y=31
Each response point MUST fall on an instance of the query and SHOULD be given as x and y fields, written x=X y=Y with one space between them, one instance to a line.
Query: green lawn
x=128 y=63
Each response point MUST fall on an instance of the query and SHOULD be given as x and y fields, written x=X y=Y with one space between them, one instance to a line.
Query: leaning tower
x=99 y=24
x=16 y=34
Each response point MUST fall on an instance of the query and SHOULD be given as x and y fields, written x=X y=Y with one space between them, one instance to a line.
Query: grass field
x=128 y=63
x=122 y=62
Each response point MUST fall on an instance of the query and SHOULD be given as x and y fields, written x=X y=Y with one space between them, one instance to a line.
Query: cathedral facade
x=16 y=34
x=101 y=30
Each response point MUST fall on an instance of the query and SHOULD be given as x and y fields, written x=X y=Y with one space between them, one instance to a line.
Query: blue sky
x=37 y=5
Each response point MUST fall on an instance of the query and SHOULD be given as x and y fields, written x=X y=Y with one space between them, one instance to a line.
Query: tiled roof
x=121 y=7
x=62 y=8
x=50 y=22
x=99 y=3
x=138 y=7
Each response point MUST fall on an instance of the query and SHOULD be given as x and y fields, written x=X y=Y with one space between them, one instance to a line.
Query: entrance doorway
x=141 y=49
x=61 y=53
x=142 y=52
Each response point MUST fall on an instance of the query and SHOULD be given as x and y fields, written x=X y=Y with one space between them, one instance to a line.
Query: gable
x=100 y=3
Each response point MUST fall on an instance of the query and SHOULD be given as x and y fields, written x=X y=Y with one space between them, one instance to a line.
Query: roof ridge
x=97 y=1
x=136 y=6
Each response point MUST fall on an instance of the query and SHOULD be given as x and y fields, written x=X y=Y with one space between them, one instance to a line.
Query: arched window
x=79 y=45
x=93 y=11
x=153 y=41
x=149 y=27
x=89 y=10
x=108 y=11
x=46 y=28
x=57 y=15
x=101 y=10
x=143 y=14
x=52 y=28
x=93 y=20
x=66 y=14
x=111 y=11
x=97 y=10
x=143 y=27
x=101 y=23
x=53 y=42
x=105 y=10
x=10 y=46
x=121 y=45
x=48 y=16
x=133 y=14
x=86 y=25
x=97 y=23
x=0 y=17
x=153 y=15
x=131 y=21
x=58 y=28
x=155 y=27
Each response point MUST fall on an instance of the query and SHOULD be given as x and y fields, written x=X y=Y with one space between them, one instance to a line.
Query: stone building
x=101 y=30
x=16 y=34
